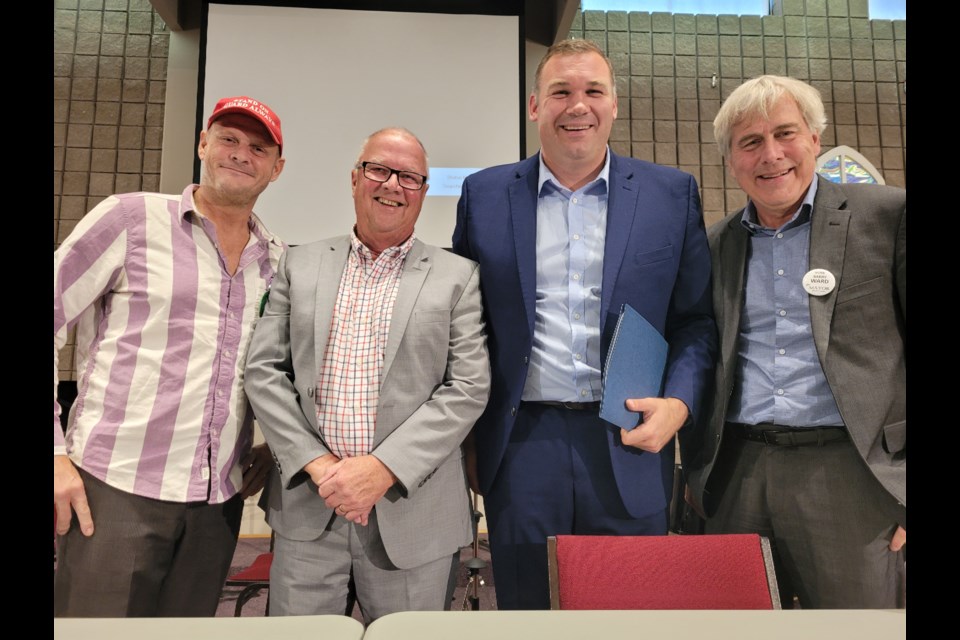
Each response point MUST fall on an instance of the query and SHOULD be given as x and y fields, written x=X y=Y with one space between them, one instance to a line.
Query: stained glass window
x=843 y=164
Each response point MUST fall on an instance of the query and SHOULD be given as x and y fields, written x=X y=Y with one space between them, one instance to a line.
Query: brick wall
x=109 y=84
x=666 y=64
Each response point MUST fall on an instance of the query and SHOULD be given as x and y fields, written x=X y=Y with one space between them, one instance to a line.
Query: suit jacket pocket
x=647 y=257
x=895 y=437
x=859 y=290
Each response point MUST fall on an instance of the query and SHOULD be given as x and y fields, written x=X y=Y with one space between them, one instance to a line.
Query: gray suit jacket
x=859 y=234
x=435 y=383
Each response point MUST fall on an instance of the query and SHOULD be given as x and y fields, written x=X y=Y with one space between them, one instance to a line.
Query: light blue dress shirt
x=571 y=228
x=778 y=375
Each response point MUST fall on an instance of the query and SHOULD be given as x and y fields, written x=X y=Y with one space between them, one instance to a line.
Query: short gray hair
x=756 y=97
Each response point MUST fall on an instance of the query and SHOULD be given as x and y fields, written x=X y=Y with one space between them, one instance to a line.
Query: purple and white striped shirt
x=162 y=335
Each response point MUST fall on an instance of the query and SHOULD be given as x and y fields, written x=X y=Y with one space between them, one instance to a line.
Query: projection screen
x=336 y=75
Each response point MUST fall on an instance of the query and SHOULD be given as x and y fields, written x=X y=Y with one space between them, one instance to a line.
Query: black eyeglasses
x=380 y=173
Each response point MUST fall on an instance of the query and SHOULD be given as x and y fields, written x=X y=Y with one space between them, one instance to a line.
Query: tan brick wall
x=109 y=84
x=668 y=98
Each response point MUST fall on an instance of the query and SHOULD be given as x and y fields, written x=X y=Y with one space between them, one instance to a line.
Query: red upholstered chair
x=256 y=577
x=662 y=572
x=253 y=579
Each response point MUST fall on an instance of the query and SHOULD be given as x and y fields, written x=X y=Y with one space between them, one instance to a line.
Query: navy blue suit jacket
x=656 y=259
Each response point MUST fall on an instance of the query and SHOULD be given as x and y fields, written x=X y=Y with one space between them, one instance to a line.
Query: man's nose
x=576 y=106
x=241 y=153
x=772 y=150
x=395 y=177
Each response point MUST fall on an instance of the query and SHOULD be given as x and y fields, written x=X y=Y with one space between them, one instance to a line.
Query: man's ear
x=277 y=168
x=533 y=108
x=202 y=146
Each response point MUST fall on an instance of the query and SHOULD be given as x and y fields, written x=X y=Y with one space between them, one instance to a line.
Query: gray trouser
x=311 y=577
x=828 y=519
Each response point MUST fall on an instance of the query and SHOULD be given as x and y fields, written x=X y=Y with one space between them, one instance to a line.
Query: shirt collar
x=546 y=176
x=396 y=252
x=256 y=225
x=752 y=224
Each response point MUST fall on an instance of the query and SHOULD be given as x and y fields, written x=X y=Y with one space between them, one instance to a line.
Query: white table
x=648 y=625
x=292 y=628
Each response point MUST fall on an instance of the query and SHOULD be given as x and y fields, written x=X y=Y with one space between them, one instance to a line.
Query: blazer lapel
x=416 y=266
x=828 y=240
x=522 y=194
x=622 y=200
x=332 y=258
x=730 y=256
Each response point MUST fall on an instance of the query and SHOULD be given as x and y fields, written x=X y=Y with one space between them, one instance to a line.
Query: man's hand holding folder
x=662 y=418
x=632 y=383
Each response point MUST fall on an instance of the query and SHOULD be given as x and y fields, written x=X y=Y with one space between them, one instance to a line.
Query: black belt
x=569 y=406
x=779 y=436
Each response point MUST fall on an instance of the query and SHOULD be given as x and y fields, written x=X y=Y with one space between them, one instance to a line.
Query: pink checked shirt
x=349 y=381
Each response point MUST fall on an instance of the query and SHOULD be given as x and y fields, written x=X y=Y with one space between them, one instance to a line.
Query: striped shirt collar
x=257 y=227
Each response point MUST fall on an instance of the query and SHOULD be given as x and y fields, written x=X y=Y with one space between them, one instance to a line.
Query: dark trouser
x=555 y=479
x=146 y=558
x=828 y=519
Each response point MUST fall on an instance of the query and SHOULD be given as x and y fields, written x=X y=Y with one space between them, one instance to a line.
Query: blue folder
x=634 y=368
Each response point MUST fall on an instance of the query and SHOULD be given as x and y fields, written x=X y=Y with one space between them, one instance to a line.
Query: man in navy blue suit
x=563 y=240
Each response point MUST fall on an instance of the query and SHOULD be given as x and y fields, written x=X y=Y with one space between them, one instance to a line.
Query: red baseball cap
x=252 y=108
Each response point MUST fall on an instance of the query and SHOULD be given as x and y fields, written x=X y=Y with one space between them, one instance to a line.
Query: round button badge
x=818 y=282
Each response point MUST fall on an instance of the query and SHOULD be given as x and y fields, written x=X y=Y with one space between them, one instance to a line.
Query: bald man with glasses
x=366 y=371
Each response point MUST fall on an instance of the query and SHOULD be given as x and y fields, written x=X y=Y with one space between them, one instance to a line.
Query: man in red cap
x=164 y=291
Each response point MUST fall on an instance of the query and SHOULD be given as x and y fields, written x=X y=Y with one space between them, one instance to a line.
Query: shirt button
x=219 y=393
x=573 y=200
x=576 y=236
x=576 y=316
x=576 y=276
x=779 y=235
x=781 y=351
x=779 y=272
x=782 y=312
x=779 y=392
x=583 y=392
x=578 y=356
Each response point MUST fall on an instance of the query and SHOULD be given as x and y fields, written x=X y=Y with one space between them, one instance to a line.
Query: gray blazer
x=435 y=383
x=859 y=234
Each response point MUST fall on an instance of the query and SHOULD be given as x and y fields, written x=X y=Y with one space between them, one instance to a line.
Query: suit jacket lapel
x=416 y=266
x=731 y=257
x=828 y=240
x=622 y=200
x=522 y=194
x=332 y=259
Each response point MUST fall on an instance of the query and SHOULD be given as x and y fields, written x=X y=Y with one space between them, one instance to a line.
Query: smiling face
x=238 y=160
x=774 y=160
x=574 y=108
x=386 y=212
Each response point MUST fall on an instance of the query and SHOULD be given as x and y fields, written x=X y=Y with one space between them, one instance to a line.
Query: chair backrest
x=662 y=572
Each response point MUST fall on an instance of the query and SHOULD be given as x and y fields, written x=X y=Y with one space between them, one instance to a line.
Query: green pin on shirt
x=263 y=301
